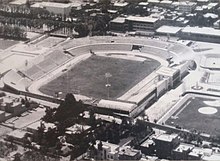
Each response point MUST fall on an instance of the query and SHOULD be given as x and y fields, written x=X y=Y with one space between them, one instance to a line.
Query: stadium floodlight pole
x=68 y=81
x=108 y=85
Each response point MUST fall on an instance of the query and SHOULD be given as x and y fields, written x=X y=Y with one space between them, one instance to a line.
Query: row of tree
x=12 y=32
x=36 y=18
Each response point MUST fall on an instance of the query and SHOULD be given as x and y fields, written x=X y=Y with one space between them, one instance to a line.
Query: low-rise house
x=77 y=129
x=164 y=144
x=2 y=116
x=148 y=147
x=118 y=24
x=181 y=152
x=198 y=153
x=106 y=151
x=56 y=8
x=216 y=24
x=128 y=153
x=13 y=106
x=166 y=4
x=16 y=136
x=187 y=6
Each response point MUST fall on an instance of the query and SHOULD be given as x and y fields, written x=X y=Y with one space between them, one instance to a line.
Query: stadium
x=117 y=75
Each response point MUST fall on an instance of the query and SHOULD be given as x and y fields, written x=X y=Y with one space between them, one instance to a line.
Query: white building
x=166 y=3
x=56 y=8
x=217 y=24
x=137 y=23
x=107 y=151
x=201 y=34
x=168 y=30
x=119 y=107
x=120 y=4
x=187 y=7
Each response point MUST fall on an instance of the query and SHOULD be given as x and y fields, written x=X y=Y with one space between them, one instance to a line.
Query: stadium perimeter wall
x=174 y=108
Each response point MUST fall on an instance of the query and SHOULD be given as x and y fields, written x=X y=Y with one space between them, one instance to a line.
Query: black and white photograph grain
x=109 y=80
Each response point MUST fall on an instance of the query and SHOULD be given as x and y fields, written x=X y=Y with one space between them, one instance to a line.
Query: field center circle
x=207 y=110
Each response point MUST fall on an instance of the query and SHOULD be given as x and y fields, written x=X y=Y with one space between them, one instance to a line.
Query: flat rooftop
x=128 y=151
x=143 y=3
x=197 y=151
x=184 y=147
x=116 y=105
x=202 y=0
x=106 y=145
x=211 y=15
x=118 y=20
x=77 y=128
x=210 y=5
x=142 y=19
x=187 y=3
x=51 y=4
x=19 y=134
x=166 y=71
x=37 y=124
x=120 y=4
x=153 y=1
x=18 y=2
x=2 y=112
x=147 y=143
x=167 y=137
x=168 y=29
x=166 y=2
x=201 y=31
x=212 y=157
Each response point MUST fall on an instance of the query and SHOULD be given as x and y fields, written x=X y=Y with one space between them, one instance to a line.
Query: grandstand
x=57 y=57
x=46 y=65
x=31 y=71
x=155 y=51
x=113 y=40
x=100 y=47
x=51 y=61
x=178 y=49
x=49 y=42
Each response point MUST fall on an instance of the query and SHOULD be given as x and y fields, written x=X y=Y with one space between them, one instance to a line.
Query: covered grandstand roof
x=124 y=106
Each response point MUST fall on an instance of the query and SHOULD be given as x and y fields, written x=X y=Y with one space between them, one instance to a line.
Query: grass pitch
x=88 y=77
x=188 y=117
